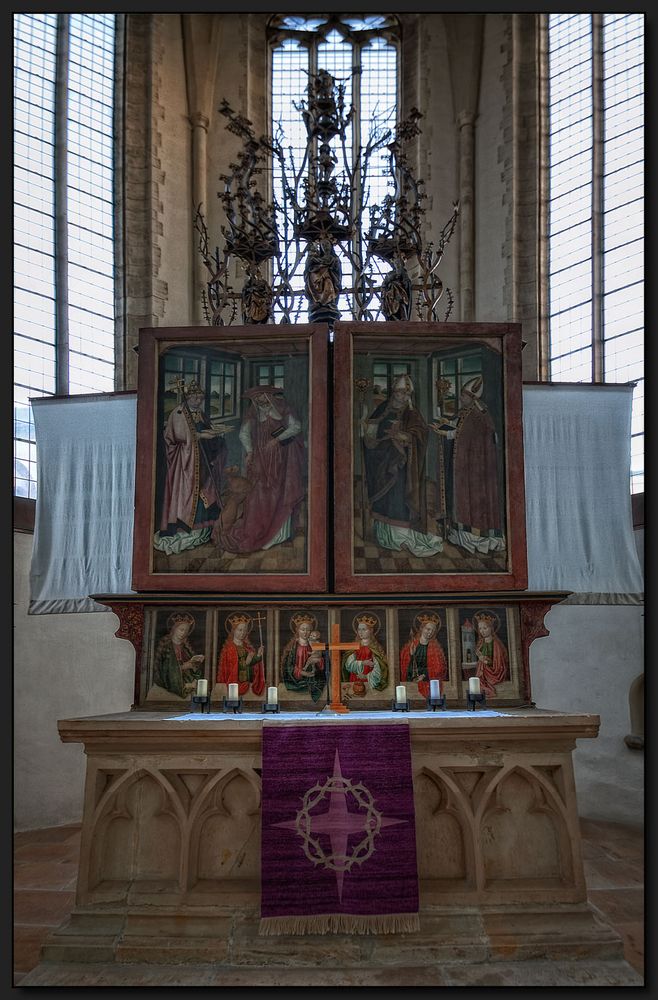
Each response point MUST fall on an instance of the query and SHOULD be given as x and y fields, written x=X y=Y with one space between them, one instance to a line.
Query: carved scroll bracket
x=131 y=627
x=532 y=616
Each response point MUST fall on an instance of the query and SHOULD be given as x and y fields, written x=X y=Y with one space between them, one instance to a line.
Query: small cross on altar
x=335 y=647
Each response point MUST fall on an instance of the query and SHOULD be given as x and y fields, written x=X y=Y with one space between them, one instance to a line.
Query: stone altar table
x=170 y=851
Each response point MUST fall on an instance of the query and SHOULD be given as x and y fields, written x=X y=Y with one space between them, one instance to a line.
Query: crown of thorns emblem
x=370 y=824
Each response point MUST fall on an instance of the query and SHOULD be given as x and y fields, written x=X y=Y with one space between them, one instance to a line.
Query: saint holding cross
x=239 y=661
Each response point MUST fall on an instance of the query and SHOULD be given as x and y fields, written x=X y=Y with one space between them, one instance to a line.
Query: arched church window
x=361 y=52
x=596 y=206
x=64 y=87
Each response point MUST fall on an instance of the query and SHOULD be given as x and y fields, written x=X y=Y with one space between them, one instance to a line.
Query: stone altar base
x=170 y=862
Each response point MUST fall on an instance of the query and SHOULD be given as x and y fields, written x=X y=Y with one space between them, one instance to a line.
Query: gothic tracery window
x=361 y=51
x=596 y=206
x=64 y=85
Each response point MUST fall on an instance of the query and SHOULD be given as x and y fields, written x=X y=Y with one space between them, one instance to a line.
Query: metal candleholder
x=203 y=700
x=472 y=700
x=269 y=706
x=400 y=706
x=234 y=706
x=435 y=703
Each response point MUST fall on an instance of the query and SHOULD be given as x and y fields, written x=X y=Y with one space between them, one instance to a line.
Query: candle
x=202 y=688
x=401 y=694
x=435 y=689
x=474 y=685
x=233 y=692
x=272 y=695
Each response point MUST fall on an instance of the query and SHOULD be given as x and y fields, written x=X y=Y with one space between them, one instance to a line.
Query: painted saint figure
x=475 y=510
x=239 y=662
x=274 y=466
x=366 y=667
x=176 y=667
x=422 y=658
x=395 y=442
x=302 y=668
x=490 y=652
x=196 y=456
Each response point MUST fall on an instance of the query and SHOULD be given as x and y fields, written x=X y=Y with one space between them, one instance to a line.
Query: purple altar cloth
x=338 y=833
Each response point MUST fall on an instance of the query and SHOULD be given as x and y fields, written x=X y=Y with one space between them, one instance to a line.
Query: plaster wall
x=232 y=85
x=587 y=664
x=428 y=67
x=173 y=150
x=492 y=199
x=64 y=666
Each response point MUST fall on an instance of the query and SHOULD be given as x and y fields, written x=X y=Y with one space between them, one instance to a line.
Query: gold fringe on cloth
x=342 y=923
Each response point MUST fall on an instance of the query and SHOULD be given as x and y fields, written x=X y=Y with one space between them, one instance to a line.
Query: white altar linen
x=293 y=717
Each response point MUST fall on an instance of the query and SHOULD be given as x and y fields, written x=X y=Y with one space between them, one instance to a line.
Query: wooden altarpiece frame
x=429 y=482
x=205 y=518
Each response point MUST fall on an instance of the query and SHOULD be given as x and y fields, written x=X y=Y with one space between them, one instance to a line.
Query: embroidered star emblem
x=339 y=824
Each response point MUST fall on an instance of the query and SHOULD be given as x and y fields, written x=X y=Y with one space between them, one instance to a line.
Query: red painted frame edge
x=143 y=578
x=517 y=577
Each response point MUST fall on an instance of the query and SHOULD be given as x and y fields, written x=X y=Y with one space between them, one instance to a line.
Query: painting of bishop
x=364 y=670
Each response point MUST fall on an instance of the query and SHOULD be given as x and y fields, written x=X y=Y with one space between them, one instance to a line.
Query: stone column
x=200 y=123
x=464 y=33
x=466 y=125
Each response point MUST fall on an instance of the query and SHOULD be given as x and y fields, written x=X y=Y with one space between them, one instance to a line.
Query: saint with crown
x=366 y=667
x=422 y=658
x=240 y=662
x=302 y=668
x=491 y=652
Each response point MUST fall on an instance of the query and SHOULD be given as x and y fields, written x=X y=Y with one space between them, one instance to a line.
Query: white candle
x=474 y=685
x=233 y=692
x=202 y=688
x=401 y=694
x=272 y=695
x=435 y=689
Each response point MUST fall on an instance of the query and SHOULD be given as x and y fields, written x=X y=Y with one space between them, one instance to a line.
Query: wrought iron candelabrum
x=293 y=247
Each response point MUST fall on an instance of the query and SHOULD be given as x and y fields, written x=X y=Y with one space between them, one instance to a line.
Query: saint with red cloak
x=490 y=652
x=239 y=662
x=422 y=658
x=475 y=510
x=275 y=466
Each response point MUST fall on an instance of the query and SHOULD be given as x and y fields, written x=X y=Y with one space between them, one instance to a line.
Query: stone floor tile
x=543 y=973
x=618 y=906
x=45 y=907
x=50 y=835
x=44 y=874
x=27 y=946
x=633 y=937
x=602 y=873
x=66 y=851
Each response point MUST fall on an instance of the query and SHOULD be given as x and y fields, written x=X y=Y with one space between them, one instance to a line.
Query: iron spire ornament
x=296 y=246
